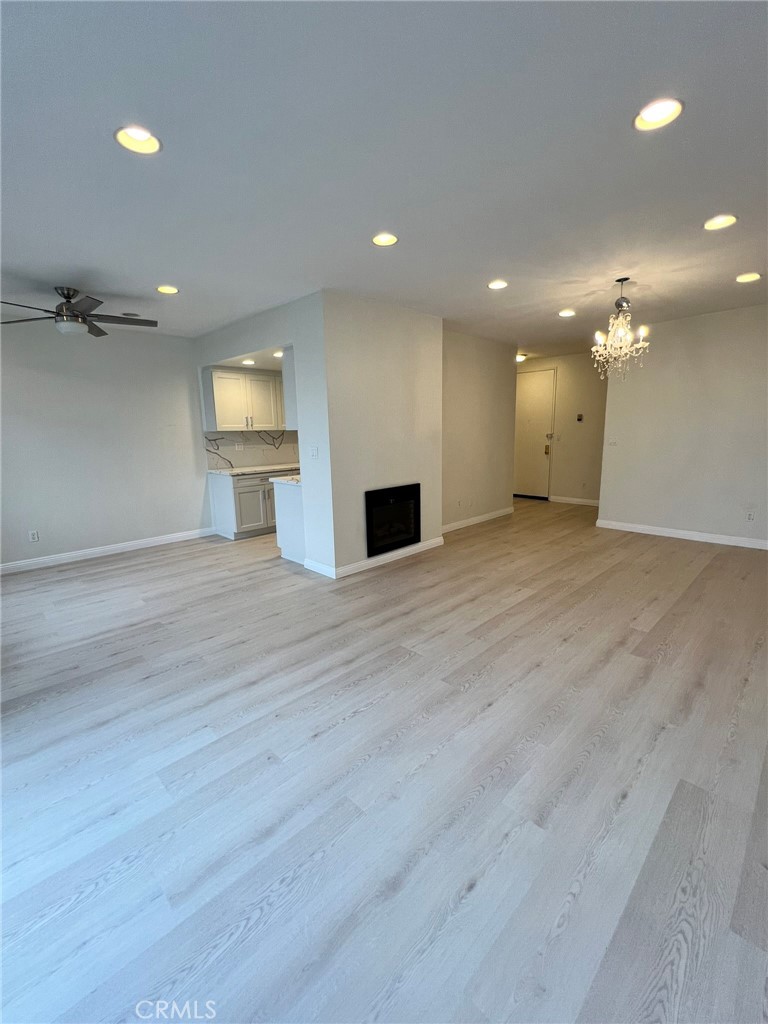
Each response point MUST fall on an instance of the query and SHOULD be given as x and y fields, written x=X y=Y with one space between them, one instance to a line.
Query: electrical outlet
x=750 y=515
x=238 y=446
x=34 y=536
x=313 y=452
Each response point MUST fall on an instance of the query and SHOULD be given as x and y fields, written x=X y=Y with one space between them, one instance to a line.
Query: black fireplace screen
x=392 y=518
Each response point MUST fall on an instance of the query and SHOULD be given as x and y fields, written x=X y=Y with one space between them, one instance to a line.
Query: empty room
x=384 y=512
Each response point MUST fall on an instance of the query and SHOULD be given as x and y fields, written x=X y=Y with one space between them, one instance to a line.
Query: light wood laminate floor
x=518 y=778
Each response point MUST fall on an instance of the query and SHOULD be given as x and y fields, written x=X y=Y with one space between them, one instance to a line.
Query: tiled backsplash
x=256 y=451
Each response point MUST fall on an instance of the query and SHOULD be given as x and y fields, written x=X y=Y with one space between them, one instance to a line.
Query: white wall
x=384 y=373
x=685 y=436
x=478 y=426
x=299 y=324
x=577 y=448
x=101 y=440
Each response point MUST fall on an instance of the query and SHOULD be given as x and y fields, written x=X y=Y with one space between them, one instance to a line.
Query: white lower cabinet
x=251 y=507
x=241 y=506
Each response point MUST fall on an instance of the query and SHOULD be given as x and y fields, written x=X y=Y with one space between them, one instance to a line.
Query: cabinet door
x=230 y=400
x=250 y=507
x=270 y=494
x=262 y=402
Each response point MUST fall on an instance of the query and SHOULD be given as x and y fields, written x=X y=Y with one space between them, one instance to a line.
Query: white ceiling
x=494 y=138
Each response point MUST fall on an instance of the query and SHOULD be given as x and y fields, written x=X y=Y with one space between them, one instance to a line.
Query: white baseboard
x=336 y=573
x=477 y=519
x=706 y=538
x=321 y=567
x=107 y=549
x=575 y=501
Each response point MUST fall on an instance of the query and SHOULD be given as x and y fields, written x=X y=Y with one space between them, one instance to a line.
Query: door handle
x=546 y=449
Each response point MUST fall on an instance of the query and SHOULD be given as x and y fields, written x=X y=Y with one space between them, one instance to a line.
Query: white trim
x=575 y=501
x=706 y=538
x=371 y=563
x=26 y=564
x=477 y=519
x=324 y=570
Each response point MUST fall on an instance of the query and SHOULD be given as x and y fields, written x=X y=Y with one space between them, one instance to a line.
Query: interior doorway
x=534 y=430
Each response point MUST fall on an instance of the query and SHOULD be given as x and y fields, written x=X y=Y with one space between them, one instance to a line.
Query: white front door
x=534 y=419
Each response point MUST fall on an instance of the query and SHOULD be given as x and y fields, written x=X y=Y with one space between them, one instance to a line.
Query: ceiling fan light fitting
x=70 y=325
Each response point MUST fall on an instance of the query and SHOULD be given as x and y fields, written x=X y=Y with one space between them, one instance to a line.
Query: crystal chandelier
x=612 y=352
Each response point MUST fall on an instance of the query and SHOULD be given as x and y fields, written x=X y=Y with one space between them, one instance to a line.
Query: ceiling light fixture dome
x=521 y=357
x=249 y=362
x=565 y=313
x=497 y=284
x=384 y=238
x=278 y=354
x=748 y=278
x=66 y=323
x=167 y=289
x=658 y=114
x=612 y=351
x=138 y=140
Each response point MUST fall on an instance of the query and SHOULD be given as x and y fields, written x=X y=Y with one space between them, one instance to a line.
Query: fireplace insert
x=392 y=518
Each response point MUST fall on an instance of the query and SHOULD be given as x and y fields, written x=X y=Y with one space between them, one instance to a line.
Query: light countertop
x=246 y=470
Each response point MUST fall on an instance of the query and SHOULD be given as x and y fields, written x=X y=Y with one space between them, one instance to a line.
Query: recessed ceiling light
x=567 y=312
x=138 y=140
x=278 y=354
x=720 y=221
x=249 y=362
x=167 y=289
x=657 y=114
x=497 y=285
x=747 y=278
x=520 y=357
x=384 y=238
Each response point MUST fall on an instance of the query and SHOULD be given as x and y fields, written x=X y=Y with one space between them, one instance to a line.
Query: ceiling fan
x=77 y=317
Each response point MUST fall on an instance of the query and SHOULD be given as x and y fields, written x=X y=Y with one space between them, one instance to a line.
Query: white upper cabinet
x=230 y=399
x=263 y=405
x=233 y=400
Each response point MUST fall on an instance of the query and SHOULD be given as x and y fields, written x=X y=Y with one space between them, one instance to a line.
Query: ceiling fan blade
x=27 y=320
x=21 y=306
x=87 y=304
x=96 y=332
x=129 y=321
